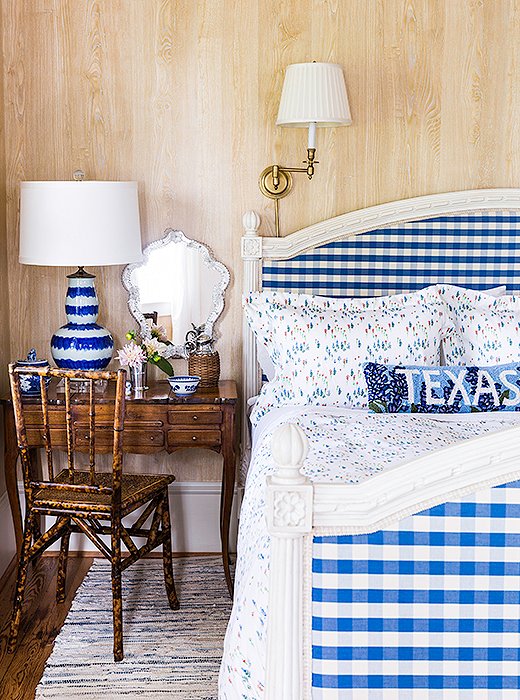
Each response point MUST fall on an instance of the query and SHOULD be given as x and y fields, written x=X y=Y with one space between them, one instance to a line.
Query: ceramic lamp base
x=85 y=346
x=82 y=344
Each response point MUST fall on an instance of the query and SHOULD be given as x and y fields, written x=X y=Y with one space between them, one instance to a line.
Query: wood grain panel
x=182 y=96
x=4 y=287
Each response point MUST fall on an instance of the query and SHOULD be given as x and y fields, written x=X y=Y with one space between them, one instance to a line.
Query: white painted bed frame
x=297 y=510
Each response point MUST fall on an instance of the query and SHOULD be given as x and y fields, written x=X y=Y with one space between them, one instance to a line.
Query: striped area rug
x=168 y=654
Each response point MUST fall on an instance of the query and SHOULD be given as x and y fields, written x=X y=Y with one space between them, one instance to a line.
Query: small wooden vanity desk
x=160 y=421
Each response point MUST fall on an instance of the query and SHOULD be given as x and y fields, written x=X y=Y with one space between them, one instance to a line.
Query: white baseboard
x=7 y=543
x=194 y=509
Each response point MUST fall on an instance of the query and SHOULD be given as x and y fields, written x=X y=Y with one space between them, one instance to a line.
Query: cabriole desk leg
x=226 y=494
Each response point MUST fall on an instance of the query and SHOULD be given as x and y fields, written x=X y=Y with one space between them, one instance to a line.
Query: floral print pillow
x=484 y=330
x=402 y=389
x=319 y=346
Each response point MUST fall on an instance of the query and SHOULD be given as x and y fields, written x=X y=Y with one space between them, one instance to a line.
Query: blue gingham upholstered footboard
x=428 y=607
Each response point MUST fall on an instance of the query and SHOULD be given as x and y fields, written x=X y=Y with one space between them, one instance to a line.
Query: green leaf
x=503 y=395
x=475 y=410
x=163 y=365
x=377 y=406
x=413 y=408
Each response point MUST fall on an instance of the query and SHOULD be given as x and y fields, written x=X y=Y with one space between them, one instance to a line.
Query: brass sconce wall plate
x=267 y=185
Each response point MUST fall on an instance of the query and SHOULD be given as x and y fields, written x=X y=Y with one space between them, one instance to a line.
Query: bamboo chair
x=85 y=500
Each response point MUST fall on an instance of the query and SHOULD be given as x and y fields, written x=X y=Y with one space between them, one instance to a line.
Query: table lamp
x=81 y=223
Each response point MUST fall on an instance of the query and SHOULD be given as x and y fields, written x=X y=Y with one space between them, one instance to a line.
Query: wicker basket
x=205 y=366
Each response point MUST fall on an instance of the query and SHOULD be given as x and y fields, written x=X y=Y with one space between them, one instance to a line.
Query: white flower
x=159 y=332
x=131 y=355
x=153 y=347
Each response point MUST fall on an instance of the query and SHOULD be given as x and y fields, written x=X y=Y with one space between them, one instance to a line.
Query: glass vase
x=138 y=378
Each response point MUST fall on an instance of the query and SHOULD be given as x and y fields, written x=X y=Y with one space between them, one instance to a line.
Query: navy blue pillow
x=412 y=389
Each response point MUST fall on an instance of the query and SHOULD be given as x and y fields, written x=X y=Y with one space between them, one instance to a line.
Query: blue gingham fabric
x=474 y=250
x=426 y=608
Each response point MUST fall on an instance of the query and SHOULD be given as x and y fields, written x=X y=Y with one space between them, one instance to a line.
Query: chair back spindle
x=81 y=400
x=46 y=426
x=92 y=432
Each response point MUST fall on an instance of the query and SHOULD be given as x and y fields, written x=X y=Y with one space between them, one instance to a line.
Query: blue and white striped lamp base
x=82 y=343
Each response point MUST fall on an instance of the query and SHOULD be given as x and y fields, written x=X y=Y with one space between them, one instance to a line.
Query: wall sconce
x=313 y=95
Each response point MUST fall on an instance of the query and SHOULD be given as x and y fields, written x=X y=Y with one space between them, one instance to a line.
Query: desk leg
x=10 y=460
x=228 y=486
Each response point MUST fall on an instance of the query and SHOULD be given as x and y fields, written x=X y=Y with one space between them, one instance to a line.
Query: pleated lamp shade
x=314 y=92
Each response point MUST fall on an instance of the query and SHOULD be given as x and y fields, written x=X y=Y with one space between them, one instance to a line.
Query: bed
x=378 y=554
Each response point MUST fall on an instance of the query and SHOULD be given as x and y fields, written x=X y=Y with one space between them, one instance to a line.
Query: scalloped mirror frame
x=173 y=236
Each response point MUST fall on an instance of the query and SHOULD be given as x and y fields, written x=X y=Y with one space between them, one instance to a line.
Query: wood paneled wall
x=182 y=96
x=4 y=287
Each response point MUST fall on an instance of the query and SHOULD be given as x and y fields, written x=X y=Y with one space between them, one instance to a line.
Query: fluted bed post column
x=251 y=379
x=289 y=519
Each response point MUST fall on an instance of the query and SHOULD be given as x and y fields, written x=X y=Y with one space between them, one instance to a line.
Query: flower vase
x=138 y=377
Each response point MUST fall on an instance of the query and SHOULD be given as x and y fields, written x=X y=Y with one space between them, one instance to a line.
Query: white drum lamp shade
x=77 y=223
x=314 y=92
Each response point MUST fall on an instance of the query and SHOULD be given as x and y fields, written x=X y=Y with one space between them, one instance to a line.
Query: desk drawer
x=131 y=438
x=194 y=438
x=188 y=415
x=58 y=437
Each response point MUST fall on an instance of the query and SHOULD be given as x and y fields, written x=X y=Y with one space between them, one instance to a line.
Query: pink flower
x=131 y=355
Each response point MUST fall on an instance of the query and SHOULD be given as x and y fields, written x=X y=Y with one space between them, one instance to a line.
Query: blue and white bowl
x=184 y=386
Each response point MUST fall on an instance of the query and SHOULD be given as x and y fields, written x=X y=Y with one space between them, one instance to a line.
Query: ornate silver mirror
x=177 y=284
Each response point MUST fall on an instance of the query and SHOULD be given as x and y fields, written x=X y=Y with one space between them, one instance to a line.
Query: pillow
x=404 y=389
x=484 y=330
x=296 y=299
x=319 y=346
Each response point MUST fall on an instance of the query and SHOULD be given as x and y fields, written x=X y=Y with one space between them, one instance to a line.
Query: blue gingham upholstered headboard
x=477 y=250
x=469 y=238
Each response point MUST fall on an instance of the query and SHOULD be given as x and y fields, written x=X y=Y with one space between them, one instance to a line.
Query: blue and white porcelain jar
x=82 y=343
x=30 y=383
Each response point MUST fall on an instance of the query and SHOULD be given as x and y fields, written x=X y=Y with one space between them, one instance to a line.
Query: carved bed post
x=251 y=378
x=289 y=520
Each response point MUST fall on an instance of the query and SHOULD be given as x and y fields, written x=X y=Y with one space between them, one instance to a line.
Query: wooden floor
x=41 y=621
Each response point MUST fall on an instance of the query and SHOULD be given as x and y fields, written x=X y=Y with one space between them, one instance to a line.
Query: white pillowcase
x=318 y=344
x=297 y=300
x=485 y=330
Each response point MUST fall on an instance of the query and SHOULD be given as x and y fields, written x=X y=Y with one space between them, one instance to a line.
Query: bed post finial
x=251 y=222
x=289 y=520
x=290 y=447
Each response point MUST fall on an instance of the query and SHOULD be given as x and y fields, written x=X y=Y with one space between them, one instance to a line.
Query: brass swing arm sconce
x=313 y=95
x=276 y=182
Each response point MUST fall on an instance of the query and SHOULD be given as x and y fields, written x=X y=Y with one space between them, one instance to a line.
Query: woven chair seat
x=134 y=487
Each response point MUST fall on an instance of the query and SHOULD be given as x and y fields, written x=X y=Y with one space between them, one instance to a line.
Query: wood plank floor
x=42 y=619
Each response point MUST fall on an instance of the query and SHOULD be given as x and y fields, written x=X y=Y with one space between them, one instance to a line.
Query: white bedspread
x=347 y=446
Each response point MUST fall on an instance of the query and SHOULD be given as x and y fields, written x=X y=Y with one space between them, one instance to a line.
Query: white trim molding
x=389 y=214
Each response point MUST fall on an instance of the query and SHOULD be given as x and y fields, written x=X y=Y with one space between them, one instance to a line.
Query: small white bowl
x=184 y=386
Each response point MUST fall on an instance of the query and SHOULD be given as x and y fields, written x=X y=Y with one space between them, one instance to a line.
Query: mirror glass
x=177 y=284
